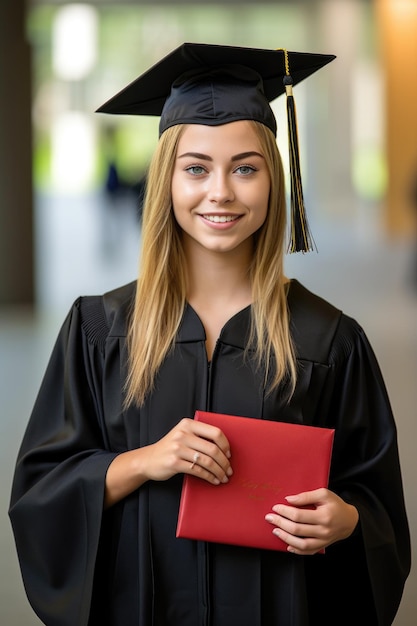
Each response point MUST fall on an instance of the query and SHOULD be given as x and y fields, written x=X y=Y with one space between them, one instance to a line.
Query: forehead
x=230 y=138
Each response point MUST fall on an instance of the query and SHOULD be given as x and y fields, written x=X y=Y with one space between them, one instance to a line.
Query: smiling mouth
x=221 y=219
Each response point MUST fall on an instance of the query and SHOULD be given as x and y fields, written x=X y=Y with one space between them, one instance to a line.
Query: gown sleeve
x=58 y=488
x=366 y=469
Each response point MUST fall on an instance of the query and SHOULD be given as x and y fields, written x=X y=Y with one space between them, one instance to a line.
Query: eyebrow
x=206 y=157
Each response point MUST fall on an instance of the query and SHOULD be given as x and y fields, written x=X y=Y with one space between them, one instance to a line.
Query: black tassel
x=301 y=239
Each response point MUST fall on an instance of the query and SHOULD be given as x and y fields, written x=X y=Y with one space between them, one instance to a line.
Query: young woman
x=211 y=324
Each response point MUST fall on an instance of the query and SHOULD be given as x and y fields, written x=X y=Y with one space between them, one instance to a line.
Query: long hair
x=162 y=283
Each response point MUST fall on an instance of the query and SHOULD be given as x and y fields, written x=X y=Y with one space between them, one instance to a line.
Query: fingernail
x=269 y=517
x=291 y=498
x=225 y=479
x=228 y=454
x=216 y=481
x=229 y=471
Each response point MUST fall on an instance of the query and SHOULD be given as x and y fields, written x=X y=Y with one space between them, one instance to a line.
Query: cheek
x=184 y=192
x=181 y=201
x=261 y=201
x=262 y=214
x=175 y=190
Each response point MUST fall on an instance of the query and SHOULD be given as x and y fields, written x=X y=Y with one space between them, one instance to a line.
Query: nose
x=220 y=188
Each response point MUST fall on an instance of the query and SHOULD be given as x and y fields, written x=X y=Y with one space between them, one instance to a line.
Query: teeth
x=219 y=219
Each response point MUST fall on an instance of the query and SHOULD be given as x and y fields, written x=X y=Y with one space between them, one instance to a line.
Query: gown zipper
x=204 y=547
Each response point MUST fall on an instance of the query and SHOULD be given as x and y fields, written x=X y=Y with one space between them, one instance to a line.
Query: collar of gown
x=234 y=332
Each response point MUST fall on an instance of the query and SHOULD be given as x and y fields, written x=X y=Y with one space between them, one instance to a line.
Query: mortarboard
x=213 y=85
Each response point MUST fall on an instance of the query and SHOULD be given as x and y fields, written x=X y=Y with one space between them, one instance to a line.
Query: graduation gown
x=82 y=566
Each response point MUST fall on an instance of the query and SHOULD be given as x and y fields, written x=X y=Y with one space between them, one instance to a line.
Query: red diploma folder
x=270 y=460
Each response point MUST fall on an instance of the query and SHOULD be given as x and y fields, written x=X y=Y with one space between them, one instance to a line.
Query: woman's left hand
x=309 y=530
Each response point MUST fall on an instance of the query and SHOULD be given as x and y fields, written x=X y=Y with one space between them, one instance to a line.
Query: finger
x=304 y=544
x=195 y=459
x=295 y=514
x=294 y=529
x=216 y=476
x=307 y=498
x=210 y=455
x=205 y=439
x=205 y=466
x=300 y=545
x=212 y=434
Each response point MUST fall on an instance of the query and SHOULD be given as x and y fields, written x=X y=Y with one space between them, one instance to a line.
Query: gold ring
x=195 y=459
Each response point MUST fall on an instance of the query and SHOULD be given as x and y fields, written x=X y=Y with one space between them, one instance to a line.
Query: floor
x=86 y=245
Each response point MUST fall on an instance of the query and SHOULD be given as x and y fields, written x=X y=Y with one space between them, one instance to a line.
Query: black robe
x=125 y=567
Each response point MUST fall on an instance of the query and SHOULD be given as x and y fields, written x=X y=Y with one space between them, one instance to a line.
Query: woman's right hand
x=191 y=447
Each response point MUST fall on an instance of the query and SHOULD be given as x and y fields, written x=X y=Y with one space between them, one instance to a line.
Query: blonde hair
x=162 y=284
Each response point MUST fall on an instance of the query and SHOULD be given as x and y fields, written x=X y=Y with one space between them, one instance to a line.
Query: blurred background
x=71 y=183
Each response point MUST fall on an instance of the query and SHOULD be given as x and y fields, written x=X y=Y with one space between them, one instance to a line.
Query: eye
x=195 y=170
x=245 y=170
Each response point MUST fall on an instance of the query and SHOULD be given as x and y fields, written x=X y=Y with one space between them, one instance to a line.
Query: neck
x=215 y=278
x=218 y=287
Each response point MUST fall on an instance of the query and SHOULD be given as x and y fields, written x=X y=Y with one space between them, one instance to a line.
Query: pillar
x=16 y=197
x=397 y=27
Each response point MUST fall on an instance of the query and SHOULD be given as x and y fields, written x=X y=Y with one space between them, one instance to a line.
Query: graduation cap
x=213 y=85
